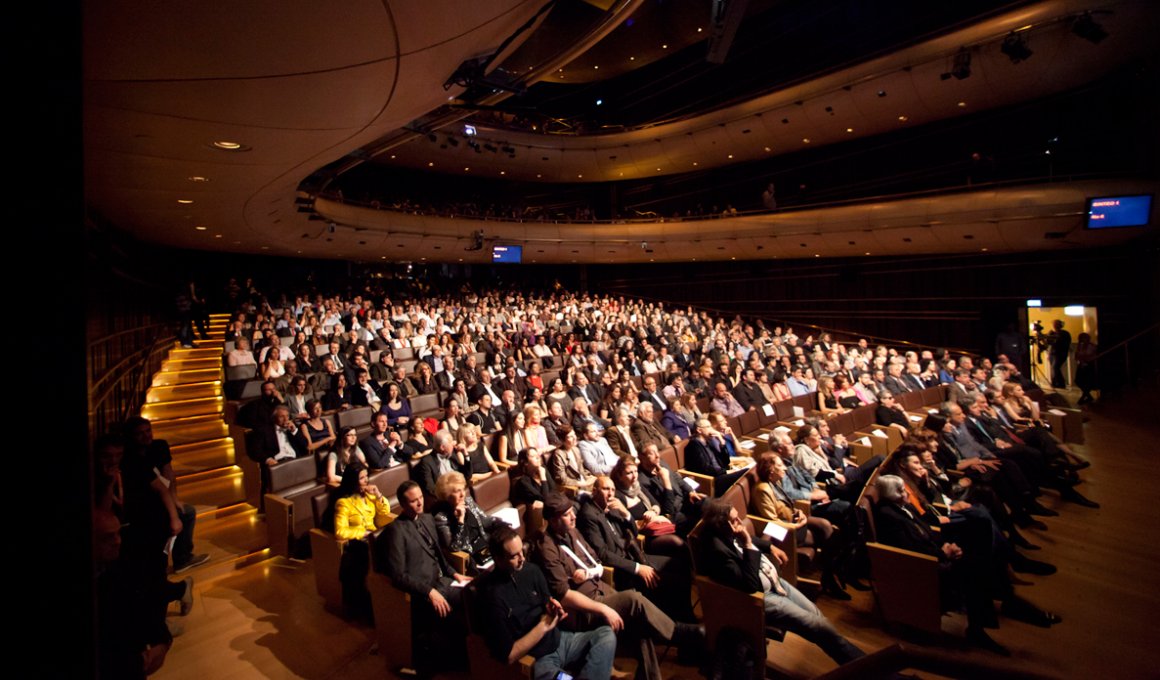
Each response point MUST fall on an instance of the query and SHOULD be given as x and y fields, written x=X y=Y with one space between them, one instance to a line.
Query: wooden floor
x=266 y=621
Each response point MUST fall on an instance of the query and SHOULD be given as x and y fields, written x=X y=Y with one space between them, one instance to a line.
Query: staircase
x=185 y=405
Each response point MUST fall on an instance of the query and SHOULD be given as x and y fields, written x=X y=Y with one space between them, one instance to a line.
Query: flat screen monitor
x=507 y=254
x=1118 y=211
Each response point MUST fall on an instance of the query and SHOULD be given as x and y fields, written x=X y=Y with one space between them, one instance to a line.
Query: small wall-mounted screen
x=1119 y=211
x=507 y=254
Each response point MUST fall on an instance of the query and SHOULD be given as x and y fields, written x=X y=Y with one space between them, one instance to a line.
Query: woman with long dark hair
x=359 y=509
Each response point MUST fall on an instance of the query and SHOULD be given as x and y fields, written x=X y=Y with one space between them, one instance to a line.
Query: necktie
x=983 y=430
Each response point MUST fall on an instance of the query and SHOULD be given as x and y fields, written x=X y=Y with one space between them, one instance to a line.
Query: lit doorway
x=1076 y=320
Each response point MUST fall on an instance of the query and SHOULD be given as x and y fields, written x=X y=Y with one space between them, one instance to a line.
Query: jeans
x=794 y=612
x=183 y=544
x=596 y=648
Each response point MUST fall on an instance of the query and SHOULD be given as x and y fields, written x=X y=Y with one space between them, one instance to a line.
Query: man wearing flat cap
x=575 y=578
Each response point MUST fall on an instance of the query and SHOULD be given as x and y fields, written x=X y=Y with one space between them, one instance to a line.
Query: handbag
x=659 y=529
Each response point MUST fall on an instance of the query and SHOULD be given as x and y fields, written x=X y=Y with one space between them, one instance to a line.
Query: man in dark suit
x=583 y=388
x=894 y=381
x=704 y=458
x=278 y=441
x=647 y=430
x=980 y=574
x=609 y=528
x=415 y=563
x=379 y=448
x=748 y=392
x=514 y=382
x=446 y=378
x=652 y=395
x=364 y=391
x=507 y=407
x=731 y=557
x=437 y=463
x=484 y=386
x=270 y=444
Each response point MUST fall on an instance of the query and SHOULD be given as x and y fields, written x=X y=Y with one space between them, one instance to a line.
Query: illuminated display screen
x=1118 y=211
x=507 y=254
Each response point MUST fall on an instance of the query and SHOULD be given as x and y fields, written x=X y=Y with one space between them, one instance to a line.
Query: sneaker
x=194 y=561
x=186 y=601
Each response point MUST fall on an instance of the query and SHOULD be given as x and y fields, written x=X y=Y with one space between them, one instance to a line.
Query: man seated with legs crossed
x=519 y=616
x=574 y=577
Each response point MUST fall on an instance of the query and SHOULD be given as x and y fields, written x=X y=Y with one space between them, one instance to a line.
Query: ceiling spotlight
x=198 y=178
x=1015 y=47
x=1086 y=27
x=230 y=146
x=469 y=130
x=599 y=102
x=960 y=67
x=185 y=201
x=200 y=228
x=881 y=93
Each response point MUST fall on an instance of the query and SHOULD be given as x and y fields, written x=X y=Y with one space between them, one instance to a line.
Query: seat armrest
x=705 y=482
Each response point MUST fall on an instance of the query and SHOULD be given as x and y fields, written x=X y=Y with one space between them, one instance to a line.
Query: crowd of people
x=579 y=394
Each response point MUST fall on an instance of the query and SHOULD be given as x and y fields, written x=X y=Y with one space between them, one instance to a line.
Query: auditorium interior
x=924 y=176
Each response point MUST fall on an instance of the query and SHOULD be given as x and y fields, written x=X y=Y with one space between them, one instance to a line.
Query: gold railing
x=119 y=369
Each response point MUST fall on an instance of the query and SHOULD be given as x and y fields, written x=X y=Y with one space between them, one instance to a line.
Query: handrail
x=902 y=655
x=1125 y=341
x=1054 y=179
x=120 y=389
x=140 y=332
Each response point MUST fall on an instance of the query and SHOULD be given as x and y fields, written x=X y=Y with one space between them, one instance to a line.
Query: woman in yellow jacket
x=359 y=510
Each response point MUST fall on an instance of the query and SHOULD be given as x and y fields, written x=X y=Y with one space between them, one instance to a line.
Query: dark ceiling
x=653 y=67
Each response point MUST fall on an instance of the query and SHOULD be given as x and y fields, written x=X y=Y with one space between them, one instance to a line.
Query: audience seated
x=533 y=483
x=732 y=557
x=575 y=578
x=974 y=569
x=416 y=564
x=359 y=510
x=519 y=616
x=461 y=524
x=603 y=430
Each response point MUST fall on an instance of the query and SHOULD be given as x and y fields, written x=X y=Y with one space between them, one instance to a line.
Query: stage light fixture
x=1086 y=27
x=1015 y=47
x=960 y=67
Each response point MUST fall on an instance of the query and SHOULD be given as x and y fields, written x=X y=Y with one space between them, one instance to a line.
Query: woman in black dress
x=534 y=483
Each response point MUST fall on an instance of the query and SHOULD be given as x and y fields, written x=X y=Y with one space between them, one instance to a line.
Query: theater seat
x=483 y=664
x=289 y=504
x=906 y=584
x=724 y=608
